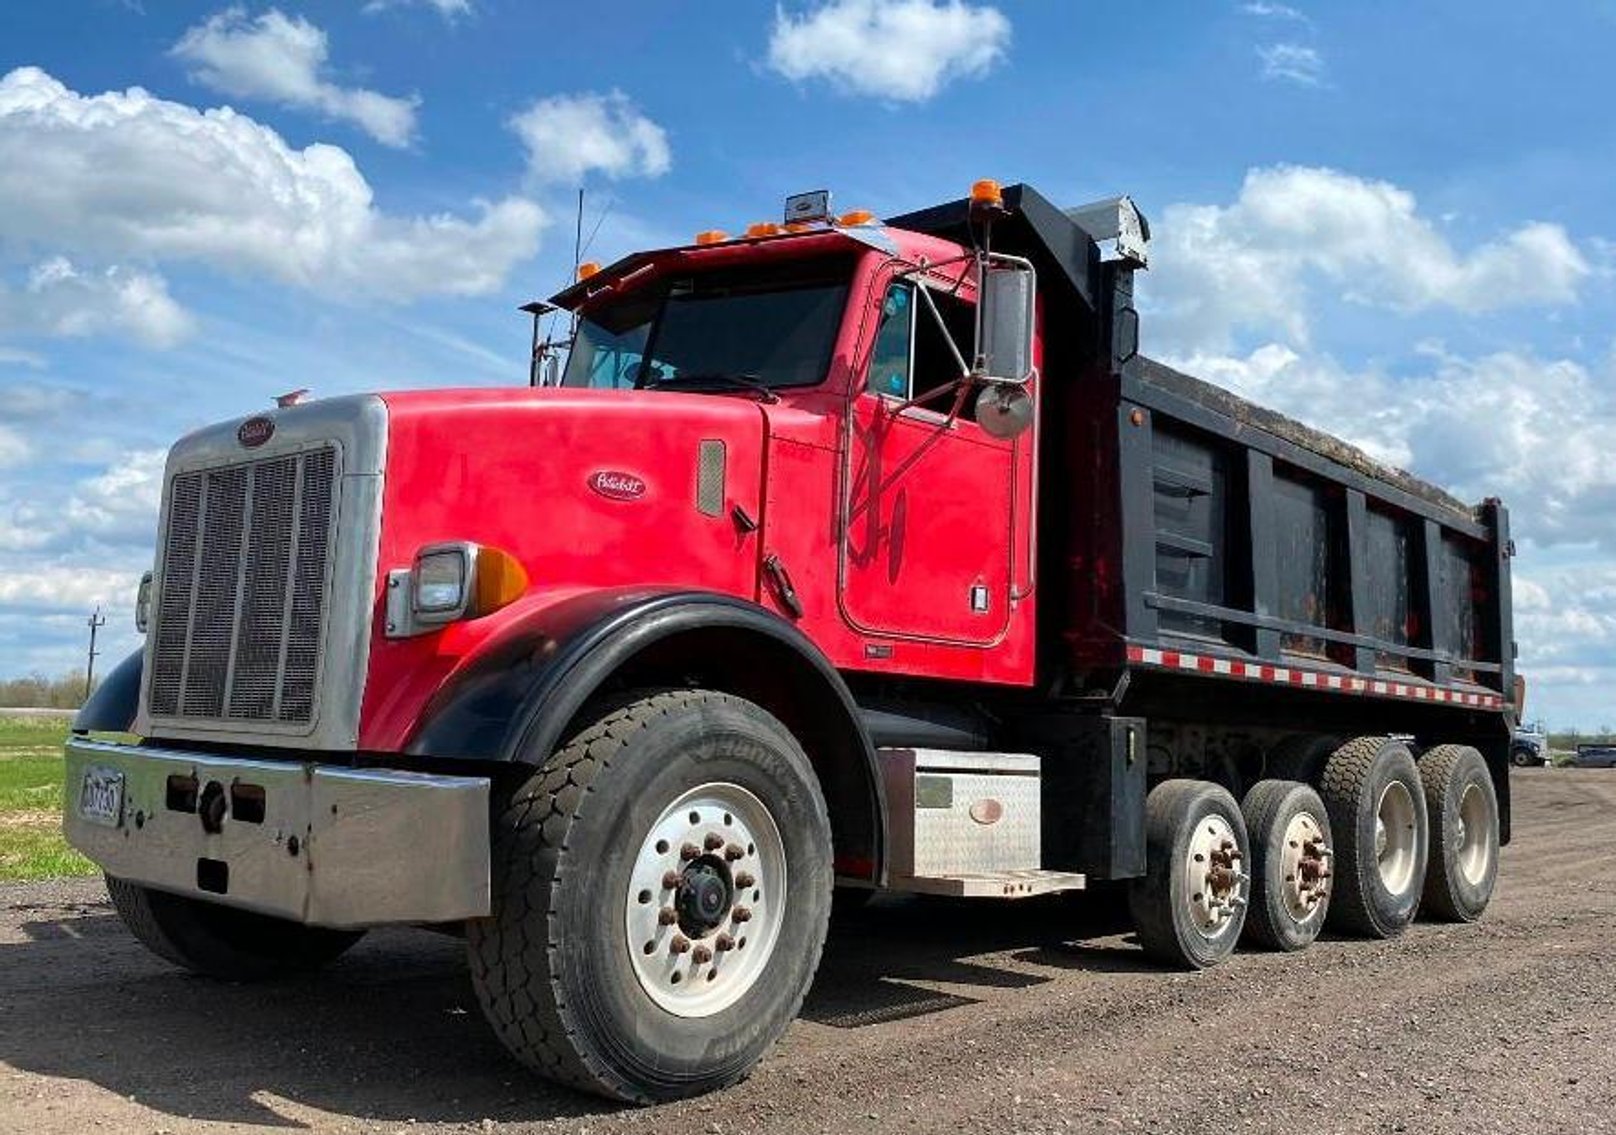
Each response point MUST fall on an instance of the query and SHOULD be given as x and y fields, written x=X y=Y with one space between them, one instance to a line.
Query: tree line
x=36 y=691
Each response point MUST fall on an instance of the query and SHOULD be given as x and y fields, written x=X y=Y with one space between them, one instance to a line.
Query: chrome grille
x=240 y=616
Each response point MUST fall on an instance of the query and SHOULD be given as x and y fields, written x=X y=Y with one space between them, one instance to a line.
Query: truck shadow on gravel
x=392 y=1032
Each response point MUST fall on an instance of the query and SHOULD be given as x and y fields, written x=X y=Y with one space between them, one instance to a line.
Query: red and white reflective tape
x=1312 y=679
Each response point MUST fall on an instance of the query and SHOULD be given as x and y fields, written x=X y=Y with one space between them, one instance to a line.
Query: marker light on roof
x=587 y=269
x=763 y=228
x=712 y=236
x=986 y=192
x=856 y=217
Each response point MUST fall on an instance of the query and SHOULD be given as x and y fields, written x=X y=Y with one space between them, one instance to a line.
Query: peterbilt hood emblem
x=617 y=486
x=255 y=432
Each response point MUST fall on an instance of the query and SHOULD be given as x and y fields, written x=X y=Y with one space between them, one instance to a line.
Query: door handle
x=782 y=585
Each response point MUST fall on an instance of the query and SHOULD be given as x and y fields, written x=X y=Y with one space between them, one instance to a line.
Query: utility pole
x=97 y=621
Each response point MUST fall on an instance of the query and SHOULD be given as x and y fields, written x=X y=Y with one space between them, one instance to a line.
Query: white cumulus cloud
x=283 y=59
x=906 y=50
x=1220 y=268
x=570 y=136
x=125 y=175
x=61 y=300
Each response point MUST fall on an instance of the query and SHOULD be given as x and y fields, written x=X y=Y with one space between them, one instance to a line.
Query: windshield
x=752 y=327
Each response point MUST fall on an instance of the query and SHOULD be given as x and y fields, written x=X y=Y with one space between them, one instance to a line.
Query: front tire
x=1190 y=904
x=662 y=888
x=222 y=942
x=1463 y=864
x=1372 y=790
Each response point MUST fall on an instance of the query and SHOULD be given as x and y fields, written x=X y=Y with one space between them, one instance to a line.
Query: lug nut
x=667 y=916
x=733 y=852
x=671 y=881
x=714 y=841
x=724 y=943
x=741 y=914
x=701 y=956
x=689 y=851
x=744 y=880
x=680 y=944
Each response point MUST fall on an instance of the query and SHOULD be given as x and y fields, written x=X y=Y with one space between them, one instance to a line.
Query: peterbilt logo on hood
x=255 y=432
x=617 y=486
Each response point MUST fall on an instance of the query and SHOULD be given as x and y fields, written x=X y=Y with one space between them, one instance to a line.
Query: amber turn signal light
x=501 y=580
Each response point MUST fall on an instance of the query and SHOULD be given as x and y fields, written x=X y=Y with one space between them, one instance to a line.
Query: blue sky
x=1393 y=221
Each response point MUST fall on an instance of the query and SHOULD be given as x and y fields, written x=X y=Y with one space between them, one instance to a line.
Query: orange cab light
x=501 y=580
x=763 y=228
x=711 y=236
x=798 y=227
x=856 y=217
x=587 y=269
x=986 y=192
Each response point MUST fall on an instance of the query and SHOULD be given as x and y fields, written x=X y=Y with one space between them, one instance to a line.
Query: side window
x=889 y=360
x=935 y=364
x=911 y=356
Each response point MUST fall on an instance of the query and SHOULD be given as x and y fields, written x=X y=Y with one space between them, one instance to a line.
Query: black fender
x=113 y=705
x=518 y=699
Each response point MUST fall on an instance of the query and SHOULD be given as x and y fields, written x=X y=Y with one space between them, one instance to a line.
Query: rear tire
x=1372 y=790
x=220 y=941
x=1290 y=864
x=576 y=971
x=1462 y=868
x=1191 y=902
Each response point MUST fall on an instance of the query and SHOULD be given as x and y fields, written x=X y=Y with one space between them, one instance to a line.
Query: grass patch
x=31 y=843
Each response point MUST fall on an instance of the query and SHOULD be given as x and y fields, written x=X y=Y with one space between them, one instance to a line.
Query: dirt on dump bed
x=927 y=1016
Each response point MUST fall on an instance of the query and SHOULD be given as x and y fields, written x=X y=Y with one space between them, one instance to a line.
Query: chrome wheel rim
x=1305 y=864
x=1473 y=845
x=705 y=900
x=1215 y=880
x=1396 y=837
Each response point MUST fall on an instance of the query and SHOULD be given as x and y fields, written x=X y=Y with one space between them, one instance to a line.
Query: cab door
x=929 y=521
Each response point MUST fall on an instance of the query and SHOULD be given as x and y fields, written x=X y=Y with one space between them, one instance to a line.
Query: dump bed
x=1243 y=544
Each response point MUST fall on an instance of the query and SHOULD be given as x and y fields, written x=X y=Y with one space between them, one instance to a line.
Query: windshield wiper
x=716 y=380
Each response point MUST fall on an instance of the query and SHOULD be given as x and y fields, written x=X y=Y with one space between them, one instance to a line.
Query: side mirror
x=1004 y=410
x=1006 y=302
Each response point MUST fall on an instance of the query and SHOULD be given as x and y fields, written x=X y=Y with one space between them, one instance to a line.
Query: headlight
x=143 y=603
x=448 y=582
x=442 y=578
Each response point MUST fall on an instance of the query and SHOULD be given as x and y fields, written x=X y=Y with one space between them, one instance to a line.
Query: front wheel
x=220 y=941
x=662 y=888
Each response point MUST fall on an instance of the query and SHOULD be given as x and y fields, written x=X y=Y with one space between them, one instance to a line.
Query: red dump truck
x=844 y=555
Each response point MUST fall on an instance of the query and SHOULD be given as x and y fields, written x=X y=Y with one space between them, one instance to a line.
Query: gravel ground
x=925 y=1017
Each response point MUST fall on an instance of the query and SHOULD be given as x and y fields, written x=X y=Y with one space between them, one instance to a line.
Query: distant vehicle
x=1530 y=747
x=1595 y=756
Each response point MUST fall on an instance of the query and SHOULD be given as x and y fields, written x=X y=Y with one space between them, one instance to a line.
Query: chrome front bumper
x=316 y=844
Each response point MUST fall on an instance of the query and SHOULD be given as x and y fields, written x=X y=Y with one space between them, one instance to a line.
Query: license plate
x=101 y=796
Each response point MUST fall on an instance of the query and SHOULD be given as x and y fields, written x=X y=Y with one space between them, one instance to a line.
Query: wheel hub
x=1396 y=832
x=705 y=900
x=704 y=897
x=1215 y=881
x=1305 y=862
